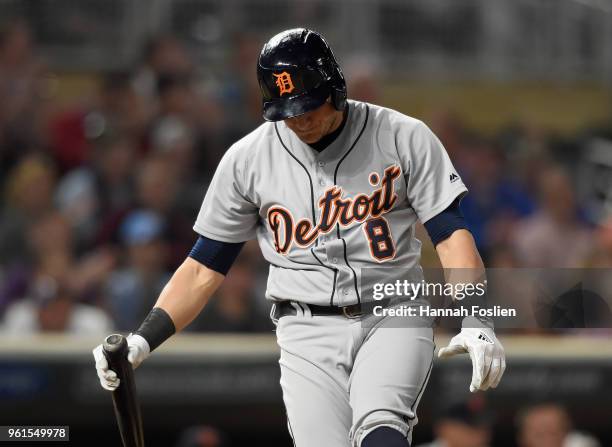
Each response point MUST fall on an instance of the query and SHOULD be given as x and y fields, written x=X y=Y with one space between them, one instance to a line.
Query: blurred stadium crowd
x=99 y=196
x=463 y=424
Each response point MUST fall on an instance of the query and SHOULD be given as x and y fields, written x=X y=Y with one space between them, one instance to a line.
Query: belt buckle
x=348 y=314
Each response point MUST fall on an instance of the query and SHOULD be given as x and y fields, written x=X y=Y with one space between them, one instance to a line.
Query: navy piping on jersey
x=290 y=430
x=365 y=122
x=418 y=396
x=319 y=261
x=331 y=298
x=407 y=181
x=216 y=255
x=313 y=211
x=300 y=306
x=313 y=206
x=352 y=270
x=335 y=183
x=312 y=201
x=328 y=139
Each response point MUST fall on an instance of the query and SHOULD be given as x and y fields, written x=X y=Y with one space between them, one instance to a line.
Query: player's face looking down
x=314 y=125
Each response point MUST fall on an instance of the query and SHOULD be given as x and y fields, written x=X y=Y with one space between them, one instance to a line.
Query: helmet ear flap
x=333 y=76
x=338 y=97
x=338 y=89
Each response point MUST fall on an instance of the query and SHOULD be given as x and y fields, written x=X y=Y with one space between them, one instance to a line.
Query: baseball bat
x=125 y=402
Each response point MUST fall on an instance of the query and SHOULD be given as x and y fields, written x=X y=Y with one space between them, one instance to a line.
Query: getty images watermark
x=406 y=290
x=511 y=298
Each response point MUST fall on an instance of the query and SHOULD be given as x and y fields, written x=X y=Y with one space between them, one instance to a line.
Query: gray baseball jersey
x=321 y=217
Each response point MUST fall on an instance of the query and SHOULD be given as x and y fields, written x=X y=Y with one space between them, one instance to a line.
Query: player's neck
x=338 y=122
x=334 y=131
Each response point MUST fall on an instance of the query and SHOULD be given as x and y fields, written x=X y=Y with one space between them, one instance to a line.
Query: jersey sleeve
x=227 y=214
x=432 y=182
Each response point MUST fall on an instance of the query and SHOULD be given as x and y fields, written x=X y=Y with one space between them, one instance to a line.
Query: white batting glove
x=487 y=354
x=138 y=350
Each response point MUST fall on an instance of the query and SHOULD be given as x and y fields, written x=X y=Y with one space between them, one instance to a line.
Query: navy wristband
x=156 y=328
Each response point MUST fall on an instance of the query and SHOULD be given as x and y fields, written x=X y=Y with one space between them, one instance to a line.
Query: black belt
x=284 y=308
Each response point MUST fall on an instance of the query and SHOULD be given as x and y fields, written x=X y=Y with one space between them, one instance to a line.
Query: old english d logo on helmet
x=284 y=83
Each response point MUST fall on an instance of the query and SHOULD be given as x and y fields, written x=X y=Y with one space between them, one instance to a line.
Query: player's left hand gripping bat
x=127 y=409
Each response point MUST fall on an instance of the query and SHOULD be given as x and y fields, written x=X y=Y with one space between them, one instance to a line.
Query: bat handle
x=116 y=351
x=127 y=410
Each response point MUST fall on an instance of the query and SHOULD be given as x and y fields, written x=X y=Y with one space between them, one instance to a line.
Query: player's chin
x=309 y=137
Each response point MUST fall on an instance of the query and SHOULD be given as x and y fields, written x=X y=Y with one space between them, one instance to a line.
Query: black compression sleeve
x=156 y=328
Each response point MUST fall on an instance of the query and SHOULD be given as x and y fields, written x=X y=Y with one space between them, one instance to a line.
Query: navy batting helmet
x=297 y=72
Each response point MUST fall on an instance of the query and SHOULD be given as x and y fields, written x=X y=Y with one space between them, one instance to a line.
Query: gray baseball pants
x=341 y=378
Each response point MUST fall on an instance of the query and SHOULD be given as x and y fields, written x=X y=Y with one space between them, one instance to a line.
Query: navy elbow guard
x=446 y=223
x=216 y=255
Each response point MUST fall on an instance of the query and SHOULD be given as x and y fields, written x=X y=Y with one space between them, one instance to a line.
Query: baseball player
x=329 y=187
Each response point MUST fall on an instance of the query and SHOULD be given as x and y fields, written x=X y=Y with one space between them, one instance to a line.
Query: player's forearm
x=459 y=252
x=460 y=259
x=188 y=291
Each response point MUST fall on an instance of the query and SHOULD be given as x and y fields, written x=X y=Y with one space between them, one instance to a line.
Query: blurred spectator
x=148 y=138
x=174 y=137
x=46 y=247
x=158 y=187
x=177 y=101
x=115 y=110
x=495 y=200
x=119 y=110
x=177 y=95
x=233 y=307
x=239 y=92
x=465 y=424
x=175 y=129
x=202 y=436
x=50 y=237
x=554 y=236
x=113 y=165
x=528 y=150
x=111 y=168
x=174 y=144
x=27 y=196
x=94 y=197
x=549 y=425
x=602 y=252
x=51 y=307
x=77 y=198
x=50 y=252
x=451 y=130
x=163 y=55
x=132 y=290
x=22 y=86
x=502 y=256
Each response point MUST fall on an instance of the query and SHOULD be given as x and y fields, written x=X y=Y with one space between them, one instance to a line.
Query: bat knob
x=114 y=343
x=115 y=349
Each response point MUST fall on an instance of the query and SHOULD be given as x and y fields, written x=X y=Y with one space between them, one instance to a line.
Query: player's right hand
x=138 y=350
